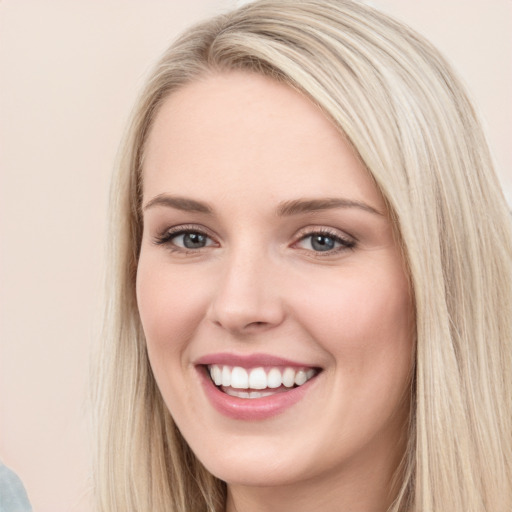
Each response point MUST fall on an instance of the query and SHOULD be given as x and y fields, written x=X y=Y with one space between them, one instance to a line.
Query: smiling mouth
x=259 y=382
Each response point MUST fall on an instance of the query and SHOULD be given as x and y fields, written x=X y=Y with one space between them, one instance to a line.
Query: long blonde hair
x=396 y=100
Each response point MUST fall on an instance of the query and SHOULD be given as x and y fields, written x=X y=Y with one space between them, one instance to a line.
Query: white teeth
x=259 y=378
x=300 y=377
x=239 y=378
x=226 y=376
x=289 y=377
x=216 y=374
x=274 y=379
x=247 y=394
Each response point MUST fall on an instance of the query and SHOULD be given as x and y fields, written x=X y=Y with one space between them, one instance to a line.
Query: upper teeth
x=259 y=378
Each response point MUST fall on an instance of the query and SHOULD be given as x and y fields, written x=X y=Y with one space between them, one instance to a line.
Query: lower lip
x=249 y=409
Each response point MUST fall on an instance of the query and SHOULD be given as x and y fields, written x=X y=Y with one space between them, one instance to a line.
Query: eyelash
x=167 y=237
x=345 y=243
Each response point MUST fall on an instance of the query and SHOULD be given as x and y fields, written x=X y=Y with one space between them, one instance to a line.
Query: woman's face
x=269 y=265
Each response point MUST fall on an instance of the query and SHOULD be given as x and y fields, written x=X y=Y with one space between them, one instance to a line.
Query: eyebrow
x=285 y=209
x=179 y=203
x=298 y=206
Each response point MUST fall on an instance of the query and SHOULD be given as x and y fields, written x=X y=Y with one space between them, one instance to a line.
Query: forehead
x=243 y=132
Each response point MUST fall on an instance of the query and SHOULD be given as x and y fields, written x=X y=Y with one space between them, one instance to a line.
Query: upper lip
x=250 y=360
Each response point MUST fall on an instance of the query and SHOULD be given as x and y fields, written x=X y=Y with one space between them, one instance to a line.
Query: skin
x=245 y=145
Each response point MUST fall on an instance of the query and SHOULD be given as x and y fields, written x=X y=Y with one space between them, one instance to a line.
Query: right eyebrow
x=179 y=203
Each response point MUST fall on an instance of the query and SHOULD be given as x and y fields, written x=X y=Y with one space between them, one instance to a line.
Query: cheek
x=170 y=306
x=366 y=325
x=171 y=309
x=367 y=307
x=366 y=322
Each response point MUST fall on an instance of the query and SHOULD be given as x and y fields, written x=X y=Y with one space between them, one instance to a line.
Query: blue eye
x=324 y=242
x=187 y=239
x=191 y=240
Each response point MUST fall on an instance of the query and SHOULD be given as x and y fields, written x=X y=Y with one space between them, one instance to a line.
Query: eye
x=185 y=239
x=191 y=240
x=324 y=242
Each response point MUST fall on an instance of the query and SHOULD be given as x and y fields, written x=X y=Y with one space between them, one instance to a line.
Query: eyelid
x=347 y=241
x=165 y=236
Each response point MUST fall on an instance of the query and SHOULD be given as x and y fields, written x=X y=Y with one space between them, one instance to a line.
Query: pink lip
x=249 y=360
x=254 y=408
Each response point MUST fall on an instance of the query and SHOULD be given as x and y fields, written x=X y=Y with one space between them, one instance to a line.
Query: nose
x=248 y=298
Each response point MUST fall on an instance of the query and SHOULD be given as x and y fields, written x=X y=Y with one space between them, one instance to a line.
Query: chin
x=255 y=473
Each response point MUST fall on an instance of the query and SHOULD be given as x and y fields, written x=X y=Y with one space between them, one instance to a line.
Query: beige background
x=69 y=71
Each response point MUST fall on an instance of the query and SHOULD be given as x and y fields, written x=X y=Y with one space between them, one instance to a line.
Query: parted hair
x=399 y=104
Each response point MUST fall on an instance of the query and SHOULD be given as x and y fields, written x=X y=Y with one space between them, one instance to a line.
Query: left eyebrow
x=298 y=206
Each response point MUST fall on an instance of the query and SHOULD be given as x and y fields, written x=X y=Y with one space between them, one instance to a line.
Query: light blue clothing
x=13 y=497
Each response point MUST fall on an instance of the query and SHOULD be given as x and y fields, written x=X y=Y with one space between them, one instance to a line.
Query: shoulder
x=13 y=497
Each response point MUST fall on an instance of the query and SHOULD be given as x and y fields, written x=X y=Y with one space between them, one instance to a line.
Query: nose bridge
x=246 y=296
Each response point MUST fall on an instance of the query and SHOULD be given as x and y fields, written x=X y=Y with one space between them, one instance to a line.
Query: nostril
x=256 y=325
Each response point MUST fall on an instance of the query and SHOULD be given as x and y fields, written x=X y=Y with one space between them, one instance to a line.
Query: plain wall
x=69 y=72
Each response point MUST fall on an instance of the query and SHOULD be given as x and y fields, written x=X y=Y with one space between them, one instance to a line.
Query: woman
x=310 y=277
